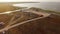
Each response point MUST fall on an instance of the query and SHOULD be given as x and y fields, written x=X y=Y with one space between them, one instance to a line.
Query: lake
x=55 y=6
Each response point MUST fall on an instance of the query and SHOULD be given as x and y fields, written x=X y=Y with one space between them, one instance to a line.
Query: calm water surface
x=55 y=6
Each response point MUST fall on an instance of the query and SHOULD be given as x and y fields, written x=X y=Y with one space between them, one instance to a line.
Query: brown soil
x=48 y=25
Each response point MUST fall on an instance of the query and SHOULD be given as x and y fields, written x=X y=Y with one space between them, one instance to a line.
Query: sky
x=29 y=0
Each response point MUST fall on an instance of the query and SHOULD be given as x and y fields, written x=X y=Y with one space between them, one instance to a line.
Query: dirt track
x=48 y=25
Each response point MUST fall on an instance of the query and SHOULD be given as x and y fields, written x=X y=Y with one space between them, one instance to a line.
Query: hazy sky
x=30 y=0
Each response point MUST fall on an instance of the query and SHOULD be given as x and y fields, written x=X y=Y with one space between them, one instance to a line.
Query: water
x=55 y=6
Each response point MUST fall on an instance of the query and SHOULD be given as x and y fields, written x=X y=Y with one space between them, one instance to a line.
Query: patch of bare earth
x=47 y=25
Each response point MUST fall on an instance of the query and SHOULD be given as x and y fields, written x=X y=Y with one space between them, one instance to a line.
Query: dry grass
x=6 y=7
